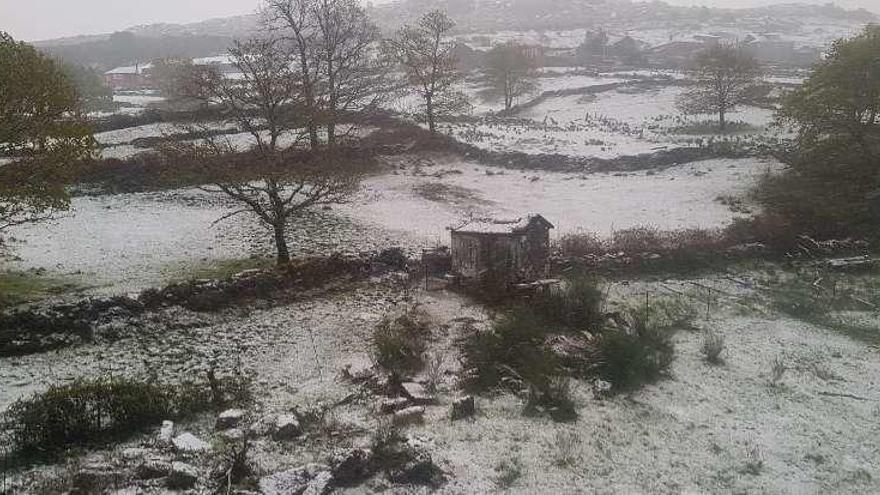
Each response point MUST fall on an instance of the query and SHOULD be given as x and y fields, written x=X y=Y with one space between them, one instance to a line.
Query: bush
x=400 y=461
x=712 y=347
x=637 y=355
x=393 y=257
x=577 y=305
x=552 y=396
x=399 y=340
x=512 y=354
x=92 y=410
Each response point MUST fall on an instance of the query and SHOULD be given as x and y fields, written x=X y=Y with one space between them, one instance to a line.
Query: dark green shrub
x=93 y=410
x=399 y=340
x=511 y=355
x=394 y=257
x=637 y=355
x=577 y=305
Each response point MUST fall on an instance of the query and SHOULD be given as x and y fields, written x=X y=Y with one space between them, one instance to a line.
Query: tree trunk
x=313 y=135
x=331 y=134
x=429 y=112
x=722 y=123
x=281 y=244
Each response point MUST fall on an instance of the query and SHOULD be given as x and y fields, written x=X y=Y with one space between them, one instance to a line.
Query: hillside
x=811 y=24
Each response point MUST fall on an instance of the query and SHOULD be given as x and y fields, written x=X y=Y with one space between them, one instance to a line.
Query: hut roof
x=500 y=226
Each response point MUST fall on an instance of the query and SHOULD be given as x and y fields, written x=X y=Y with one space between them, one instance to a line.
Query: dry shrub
x=582 y=243
x=642 y=239
x=712 y=347
x=400 y=340
x=552 y=397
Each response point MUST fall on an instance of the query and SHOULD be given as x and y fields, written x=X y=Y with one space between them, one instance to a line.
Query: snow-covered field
x=620 y=122
x=705 y=429
x=677 y=197
x=129 y=242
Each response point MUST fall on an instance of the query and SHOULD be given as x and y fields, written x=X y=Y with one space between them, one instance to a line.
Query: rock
x=233 y=434
x=152 y=469
x=351 y=466
x=313 y=478
x=166 y=432
x=417 y=393
x=320 y=484
x=409 y=416
x=187 y=442
x=464 y=407
x=182 y=476
x=287 y=427
x=389 y=406
x=230 y=418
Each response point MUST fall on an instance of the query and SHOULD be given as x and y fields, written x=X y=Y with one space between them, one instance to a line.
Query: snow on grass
x=125 y=243
x=645 y=108
x=700 y=430
x=677 y=197
x=625 y=121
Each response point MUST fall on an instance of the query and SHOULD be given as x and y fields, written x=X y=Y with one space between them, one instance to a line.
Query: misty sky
x=31 y=20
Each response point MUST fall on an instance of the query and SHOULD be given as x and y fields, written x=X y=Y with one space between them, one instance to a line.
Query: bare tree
x=354 y=74
x=294 y=21
x=725 y=77
x=334 y=44
x=511 y=72
x=271 y=177
x=429 y=61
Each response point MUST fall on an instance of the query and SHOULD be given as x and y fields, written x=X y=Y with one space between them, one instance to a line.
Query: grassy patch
x=20 y=287
x=215 y=269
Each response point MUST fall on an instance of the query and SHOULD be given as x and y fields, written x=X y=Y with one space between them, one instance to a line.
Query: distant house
x=128 y=78
x=506 y=251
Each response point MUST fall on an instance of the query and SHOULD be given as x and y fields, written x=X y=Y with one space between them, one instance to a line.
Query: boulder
x=463 y=407
x=351 y=466
x=409 y=416
x=286 y=427
x=182 y=476
x=189 y=443
x=310 y=478
x=417 y=393
x=230 y=418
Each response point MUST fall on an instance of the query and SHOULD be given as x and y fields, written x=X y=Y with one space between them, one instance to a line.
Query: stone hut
x=511 y=251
